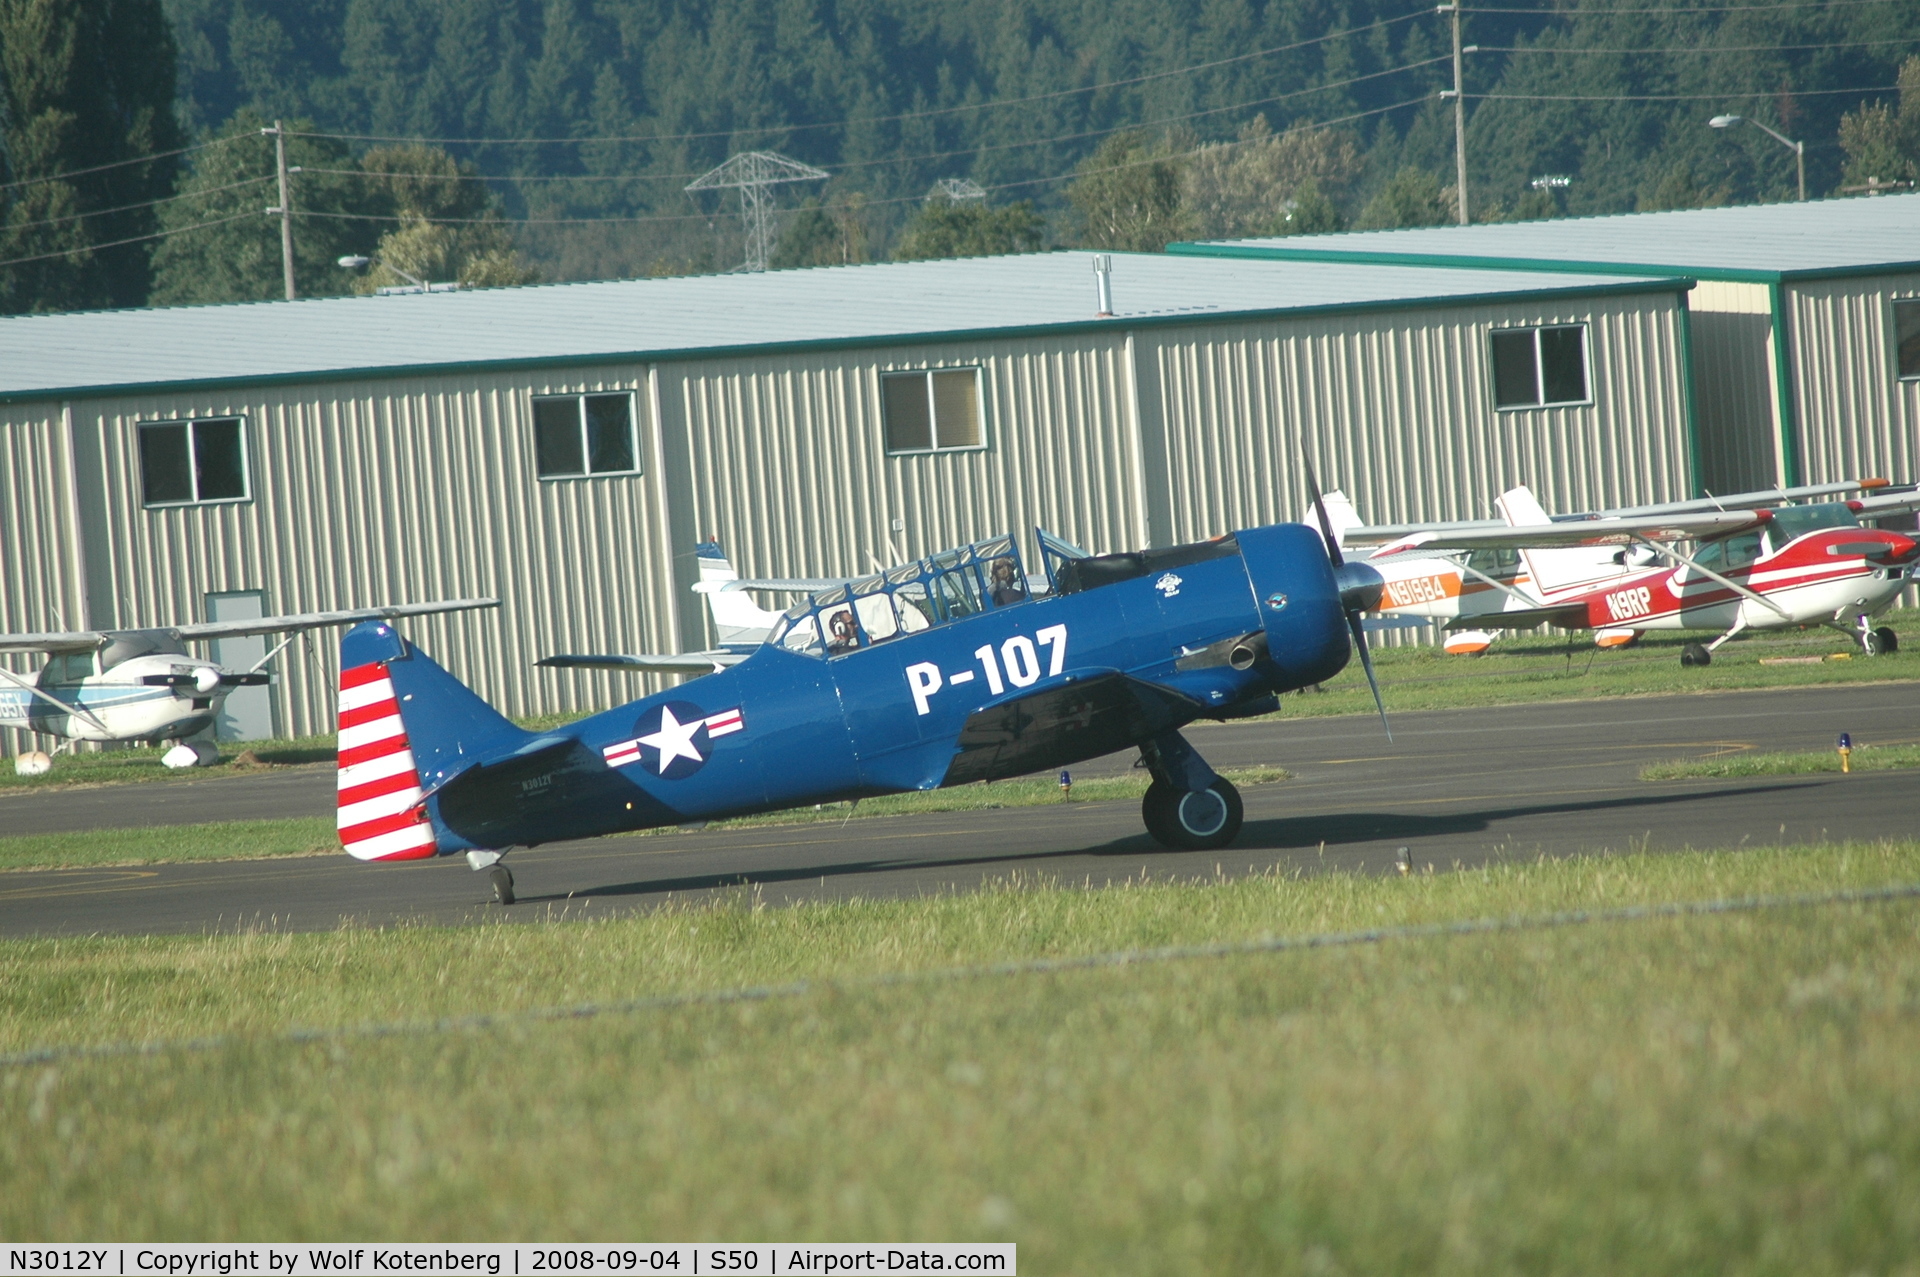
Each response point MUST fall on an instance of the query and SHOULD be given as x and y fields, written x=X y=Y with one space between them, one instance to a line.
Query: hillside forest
x=496 y=142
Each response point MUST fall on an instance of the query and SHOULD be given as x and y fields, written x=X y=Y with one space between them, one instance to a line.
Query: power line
x=101 y=168
x=879 y=203
x=1728 y=48
x=879 y=119
x=128 y=208
x=136 y=239
x=1673 y=97
x=933 y=155
x=1674 y=11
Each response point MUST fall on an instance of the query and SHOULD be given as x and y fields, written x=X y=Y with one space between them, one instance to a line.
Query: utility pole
x=286 y=209
x=1459 y=115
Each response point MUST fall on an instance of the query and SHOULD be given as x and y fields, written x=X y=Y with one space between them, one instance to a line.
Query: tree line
x=495 y=141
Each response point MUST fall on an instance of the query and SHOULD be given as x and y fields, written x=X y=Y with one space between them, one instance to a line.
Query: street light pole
x=285 y=210
x=1799 y=149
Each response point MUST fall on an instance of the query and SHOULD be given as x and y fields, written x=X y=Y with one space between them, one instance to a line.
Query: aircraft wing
x=314 y=620
x=1703 y=526
x=1384 y=534
x=1571 y=616
x=1092 y=711
x=53 y=642
x=1885 y=504
x=786 y=584
x=677 y=663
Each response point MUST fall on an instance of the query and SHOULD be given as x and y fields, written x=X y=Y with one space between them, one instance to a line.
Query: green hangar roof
x=118 y=352
x=1766 y=243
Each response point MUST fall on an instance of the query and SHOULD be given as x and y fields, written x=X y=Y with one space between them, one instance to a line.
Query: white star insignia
x=674 y=739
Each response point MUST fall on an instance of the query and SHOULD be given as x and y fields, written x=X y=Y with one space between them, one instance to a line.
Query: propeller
x=1360 y=589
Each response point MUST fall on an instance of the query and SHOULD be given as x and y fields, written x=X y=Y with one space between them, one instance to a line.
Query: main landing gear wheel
x=502 y=879
x=1192 y=820
x=1695 y=654
x=1880 y=642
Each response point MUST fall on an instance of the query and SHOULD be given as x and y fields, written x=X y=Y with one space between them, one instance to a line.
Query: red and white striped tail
x=381 y=815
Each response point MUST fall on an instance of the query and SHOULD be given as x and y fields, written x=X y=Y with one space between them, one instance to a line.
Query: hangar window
x=1906 y=329
x=576 y=435
x=1537 y=367
x=190 y=462
x=932 y=411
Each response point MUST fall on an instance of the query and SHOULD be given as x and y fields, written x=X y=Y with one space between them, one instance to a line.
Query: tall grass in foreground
x=1730 y=1093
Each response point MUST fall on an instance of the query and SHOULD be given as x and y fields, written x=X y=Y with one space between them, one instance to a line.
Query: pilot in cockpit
x=841 y=635
x=1004 y=584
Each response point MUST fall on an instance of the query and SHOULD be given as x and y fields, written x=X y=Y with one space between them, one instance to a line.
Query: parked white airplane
x=141 y=685
x=1759 y=563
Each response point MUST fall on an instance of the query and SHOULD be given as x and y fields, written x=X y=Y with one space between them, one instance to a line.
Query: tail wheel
x=1695 y=654
x=1881 y=642
x=1192 y=820
x=502 y=879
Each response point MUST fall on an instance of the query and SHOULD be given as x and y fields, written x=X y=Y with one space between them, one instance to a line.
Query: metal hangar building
x=564 y=447
x=1805 y=318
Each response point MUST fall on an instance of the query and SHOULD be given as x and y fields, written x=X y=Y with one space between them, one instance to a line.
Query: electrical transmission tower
x=755 y=174
x=957 y=189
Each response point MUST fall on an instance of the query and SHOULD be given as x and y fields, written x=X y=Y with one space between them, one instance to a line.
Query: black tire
x=1192 y=821
x=502 y=879
x=1885 y=642
x=1695 y=654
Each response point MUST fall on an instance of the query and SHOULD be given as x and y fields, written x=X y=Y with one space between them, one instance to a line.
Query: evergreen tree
x=1882 y=143
x=1309 y=213
x=969 y=228
x=817 y=235
x=84 y=86
x=1127 y=195
x=449 y=228
x=221 y=247
x=1412 y=198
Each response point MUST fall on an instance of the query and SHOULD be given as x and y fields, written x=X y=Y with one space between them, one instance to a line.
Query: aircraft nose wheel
x=1880 y=642
x=1695 y=654
x=502 y=879
x=1192 y=820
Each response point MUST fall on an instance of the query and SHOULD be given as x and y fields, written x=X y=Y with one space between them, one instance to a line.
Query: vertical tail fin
x=1553 y=570
x=405 y=723
x=737 y=619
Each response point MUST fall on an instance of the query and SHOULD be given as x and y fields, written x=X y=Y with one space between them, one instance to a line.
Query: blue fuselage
x=789 y=727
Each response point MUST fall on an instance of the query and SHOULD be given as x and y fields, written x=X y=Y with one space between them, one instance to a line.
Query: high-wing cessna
x=1622 y=573
x=950 y=669
x=141 y=685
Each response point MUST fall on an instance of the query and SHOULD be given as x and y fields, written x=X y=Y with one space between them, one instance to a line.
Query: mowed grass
x=1864 y=758
x=134 y=765
x=263 y=839
x=1525 y=668
x=1737 y=1092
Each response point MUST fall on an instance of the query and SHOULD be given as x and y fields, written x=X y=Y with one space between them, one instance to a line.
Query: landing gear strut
x=1188 y=806
x=498 y=874
x=1881 y=641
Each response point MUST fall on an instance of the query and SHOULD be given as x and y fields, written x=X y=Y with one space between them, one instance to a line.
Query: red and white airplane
x=1773 y=565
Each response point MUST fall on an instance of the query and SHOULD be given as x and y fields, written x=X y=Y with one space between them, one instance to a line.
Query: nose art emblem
x=1277 y=601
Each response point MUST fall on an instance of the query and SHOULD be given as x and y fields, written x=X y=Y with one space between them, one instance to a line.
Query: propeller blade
x=1326 y=525
x=1366 y=663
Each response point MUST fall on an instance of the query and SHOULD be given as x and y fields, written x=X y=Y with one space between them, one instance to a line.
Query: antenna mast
x=754 y=174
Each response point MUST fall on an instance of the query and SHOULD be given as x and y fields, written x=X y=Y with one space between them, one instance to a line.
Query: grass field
x=1738 y=1092
x=1865 y=758
x=260 y=839
x=1520 y=669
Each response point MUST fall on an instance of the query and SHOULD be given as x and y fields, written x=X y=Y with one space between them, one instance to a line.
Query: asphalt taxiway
x=1453 y=787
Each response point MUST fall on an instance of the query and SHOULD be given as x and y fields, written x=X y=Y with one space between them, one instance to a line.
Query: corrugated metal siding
x=1733 y=386
x=397 y=492
x=790 y=466
x=1399 y=414
x=1856 y=418
x=42 y=584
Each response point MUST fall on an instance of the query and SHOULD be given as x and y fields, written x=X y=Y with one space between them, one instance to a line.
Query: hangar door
x=247 y=713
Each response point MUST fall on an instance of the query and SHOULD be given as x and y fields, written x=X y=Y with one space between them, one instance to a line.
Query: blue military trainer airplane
x=955 y=668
